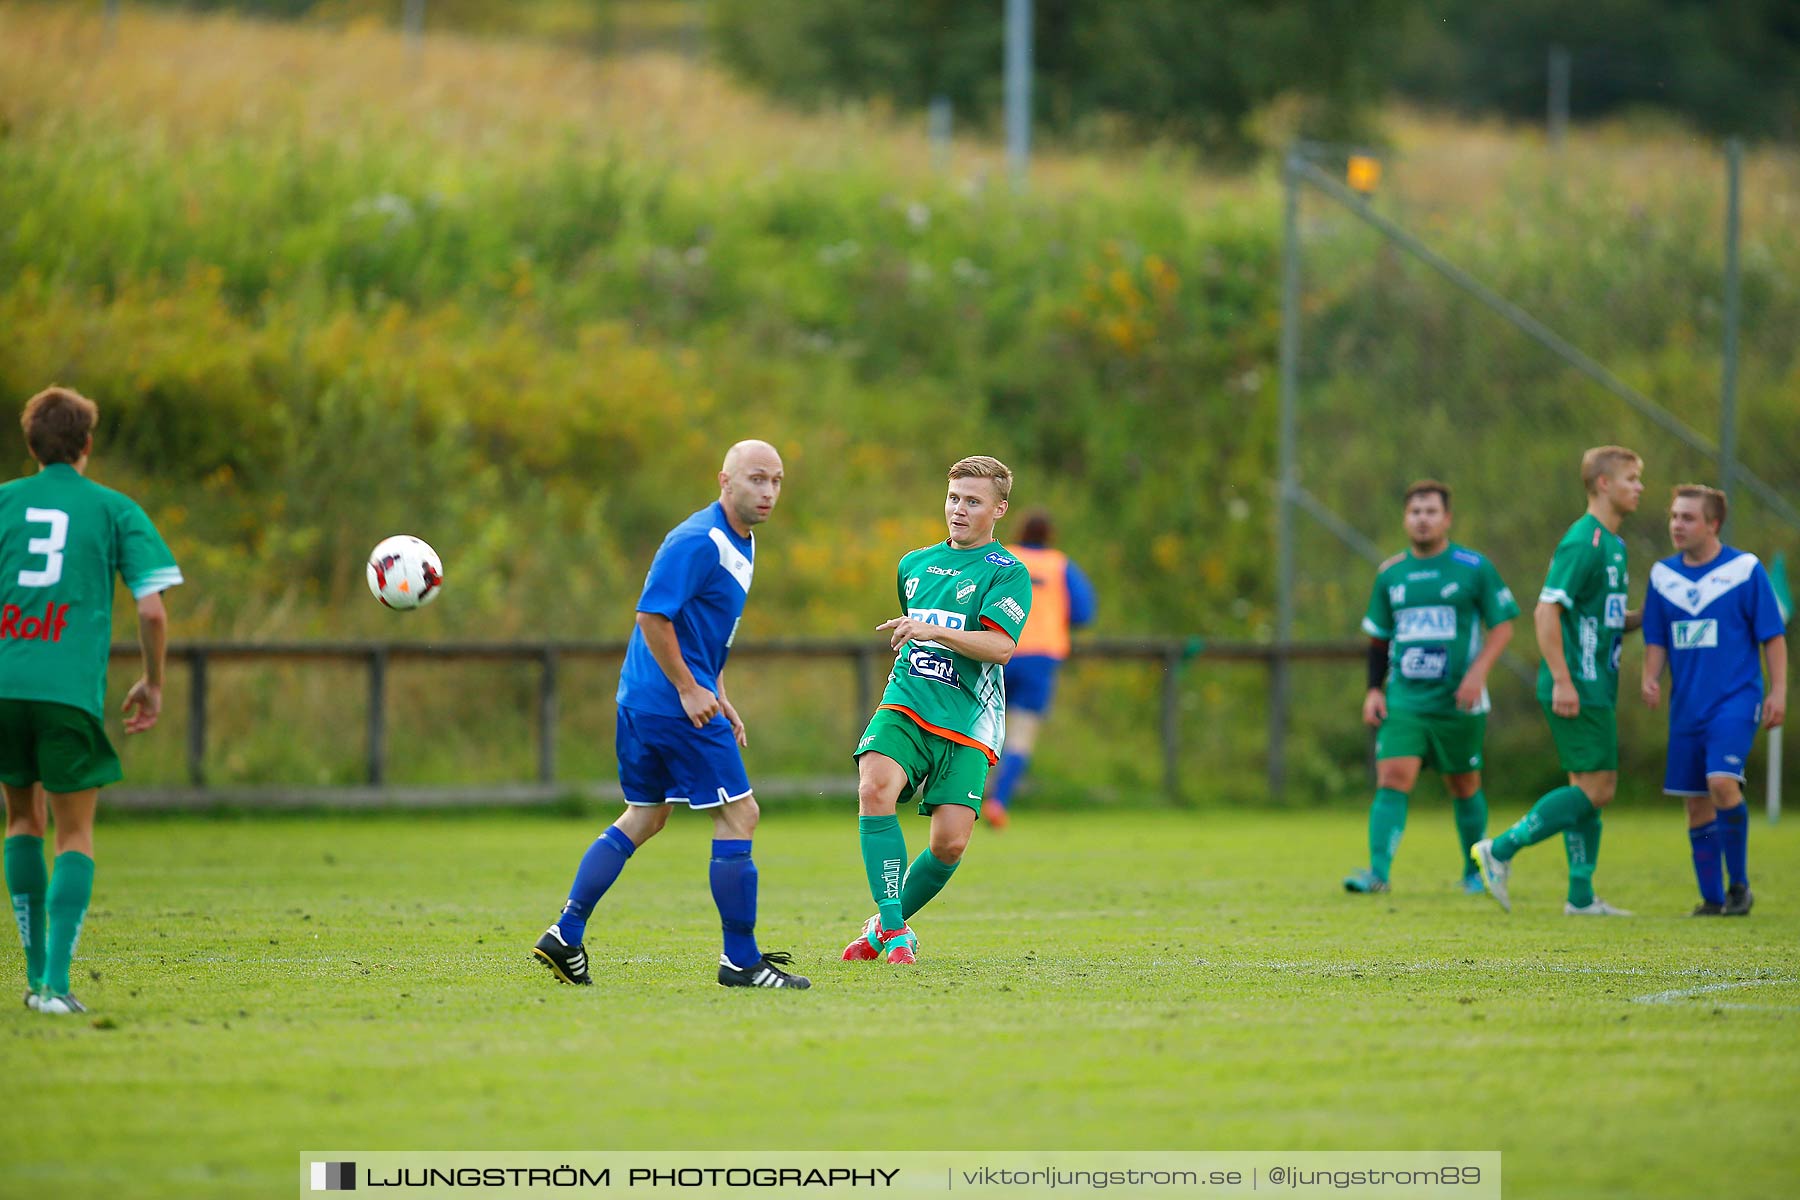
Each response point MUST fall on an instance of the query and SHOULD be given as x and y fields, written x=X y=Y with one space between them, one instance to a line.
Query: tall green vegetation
x=518 y=302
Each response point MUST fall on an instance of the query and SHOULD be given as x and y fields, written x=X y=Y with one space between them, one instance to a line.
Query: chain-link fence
x=1484 y=310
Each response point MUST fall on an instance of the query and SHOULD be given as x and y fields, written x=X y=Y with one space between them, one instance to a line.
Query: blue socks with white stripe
x=733 y=877
x=600 y=866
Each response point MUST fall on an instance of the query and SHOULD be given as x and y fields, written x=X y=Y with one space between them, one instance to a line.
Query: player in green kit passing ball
x=942 y=719
x=1428 y=694
x=1581 y=622
x=62 y=540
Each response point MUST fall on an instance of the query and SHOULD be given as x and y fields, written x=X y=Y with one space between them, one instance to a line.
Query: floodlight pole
x=1734 y=169
x=1289 y=480
x=1557 y=102
x=1018 y=89
x=413 y=20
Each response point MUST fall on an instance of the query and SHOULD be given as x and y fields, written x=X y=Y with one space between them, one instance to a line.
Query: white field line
x=1674 y=995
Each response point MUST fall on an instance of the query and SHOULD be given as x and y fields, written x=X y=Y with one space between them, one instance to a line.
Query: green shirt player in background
x=1581 y=624
x=942 y=719
x=1429 y=605
x=62 y=540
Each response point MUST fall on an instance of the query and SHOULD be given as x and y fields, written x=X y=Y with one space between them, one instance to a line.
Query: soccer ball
x=404 y=572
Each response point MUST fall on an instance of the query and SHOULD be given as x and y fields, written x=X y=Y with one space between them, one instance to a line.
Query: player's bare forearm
x=1499 y=637
x=1650 y=687
x=1547 y=619
x=665 y=648
x=1775 y=703
x=1634 y=620
x=982 y=645
x=1472 y=686
x=153 y=637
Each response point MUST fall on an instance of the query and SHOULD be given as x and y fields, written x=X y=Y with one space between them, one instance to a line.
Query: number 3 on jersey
x=50 y=546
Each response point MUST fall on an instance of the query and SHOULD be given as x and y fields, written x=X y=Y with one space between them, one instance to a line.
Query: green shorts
x=1449 y=743
x=1587 y=741
x=60 y=746
x=939 y=770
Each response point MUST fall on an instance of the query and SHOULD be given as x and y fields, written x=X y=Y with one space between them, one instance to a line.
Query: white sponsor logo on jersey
x=965 y=591
x=1615 y=610
x=1694 y=635
x=939 y=616
x=1430 y=623
x=1424 y=662
x=1011 y=608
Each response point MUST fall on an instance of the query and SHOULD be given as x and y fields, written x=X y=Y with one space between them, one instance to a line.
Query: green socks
x=1582 y=844
x=924 y=879
x=1554 y=812
x=71 y=887
x=27 y=879
x=884 y=858
x=1471 y=826
x=1387 y=821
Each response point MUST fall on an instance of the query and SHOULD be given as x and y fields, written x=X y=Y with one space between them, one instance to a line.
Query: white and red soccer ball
x=404 y=572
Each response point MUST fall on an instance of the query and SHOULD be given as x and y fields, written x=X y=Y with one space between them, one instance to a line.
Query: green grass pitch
x=1144 y=980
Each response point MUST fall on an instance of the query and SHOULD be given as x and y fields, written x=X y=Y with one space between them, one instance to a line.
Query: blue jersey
x=1712 y=620
x=699 y=579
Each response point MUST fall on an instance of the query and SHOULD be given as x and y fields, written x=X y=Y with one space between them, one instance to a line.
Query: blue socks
x=1705 y=840
x=1012 y=770
x=1734 y=841
x=600 y=866
x=733 y=876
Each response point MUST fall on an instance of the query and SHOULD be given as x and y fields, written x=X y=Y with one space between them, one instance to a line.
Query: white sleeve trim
x=1555 y=596
x=1375 y=631
x=160 y=580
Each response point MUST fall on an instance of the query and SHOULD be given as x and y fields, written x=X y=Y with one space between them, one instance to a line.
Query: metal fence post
x=1171 y=722
x=1284 y=527
x=864 y=679
x=196 y=733
x=377 y=715
x=546 y=772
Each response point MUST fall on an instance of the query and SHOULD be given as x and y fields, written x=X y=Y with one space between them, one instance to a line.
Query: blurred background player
x=1432 y=602
x=678 y=735
x=1581 y=622
x=1062 y=599
x=62 y=540
x=1709 y=609
x=942 y=717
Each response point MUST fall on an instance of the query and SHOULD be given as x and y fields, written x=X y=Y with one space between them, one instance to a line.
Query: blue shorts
x=1720 y=747
x=665 y=760
x=1030 y=682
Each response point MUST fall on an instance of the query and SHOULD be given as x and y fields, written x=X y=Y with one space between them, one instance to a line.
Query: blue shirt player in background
x=678 y=734
x=1709 y=609
x=1061 y=599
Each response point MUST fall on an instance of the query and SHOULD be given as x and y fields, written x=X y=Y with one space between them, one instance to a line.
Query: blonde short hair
x=1605 y=460
x=1713 y=505
x=981 y=466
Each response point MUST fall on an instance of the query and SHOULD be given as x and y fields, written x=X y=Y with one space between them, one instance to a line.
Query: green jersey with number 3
x=62 y=540
x=1432 y=611
x=951 y=694
x=1587 y=579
